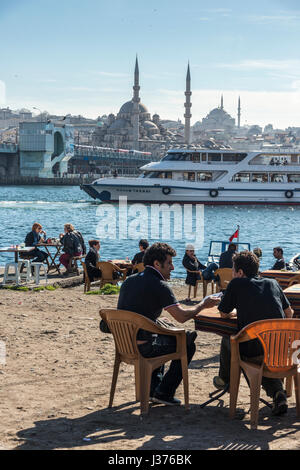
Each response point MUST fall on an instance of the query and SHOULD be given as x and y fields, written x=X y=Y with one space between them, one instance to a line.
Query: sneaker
x=165 y=399
x=219 y=383
x=280 y=405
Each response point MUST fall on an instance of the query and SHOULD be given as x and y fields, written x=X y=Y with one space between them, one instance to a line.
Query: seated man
x=278 y=254
x=34 y=238
x=191 y=263
x=254 y=299
x=138 y=257
x=148 y=293
x=226 y=256
x=92 y=259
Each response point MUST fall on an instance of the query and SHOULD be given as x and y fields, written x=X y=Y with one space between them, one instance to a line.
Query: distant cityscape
x=132 y=129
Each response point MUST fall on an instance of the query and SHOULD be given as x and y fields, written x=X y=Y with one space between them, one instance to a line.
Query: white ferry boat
x=209 y=177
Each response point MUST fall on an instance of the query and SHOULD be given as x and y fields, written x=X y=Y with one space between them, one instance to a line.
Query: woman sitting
x=92 y=259
x=72 y=245
x=191 y=263
x=34 y=238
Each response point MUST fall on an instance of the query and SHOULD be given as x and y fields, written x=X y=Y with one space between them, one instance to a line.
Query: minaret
x=136 y=102
x=222 y=102
x=239 y=113
x=188 y=105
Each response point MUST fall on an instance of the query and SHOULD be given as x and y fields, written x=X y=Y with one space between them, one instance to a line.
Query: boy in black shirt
x=254 y=299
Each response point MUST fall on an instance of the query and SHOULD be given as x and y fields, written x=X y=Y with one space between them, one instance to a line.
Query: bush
x=108 y=289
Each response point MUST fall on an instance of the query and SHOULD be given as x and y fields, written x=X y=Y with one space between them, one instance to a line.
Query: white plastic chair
x=37 y=272
x=27 y=276
x=15 y=276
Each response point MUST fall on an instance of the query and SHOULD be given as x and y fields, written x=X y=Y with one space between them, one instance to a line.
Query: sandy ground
x=55 y=385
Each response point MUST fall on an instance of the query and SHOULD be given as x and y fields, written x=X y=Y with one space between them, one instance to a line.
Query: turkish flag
x=235 y=235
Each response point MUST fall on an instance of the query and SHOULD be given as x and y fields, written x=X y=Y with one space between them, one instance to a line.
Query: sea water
x=53 y=206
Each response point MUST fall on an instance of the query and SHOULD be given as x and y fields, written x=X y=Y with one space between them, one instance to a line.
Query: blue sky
x=74 y=56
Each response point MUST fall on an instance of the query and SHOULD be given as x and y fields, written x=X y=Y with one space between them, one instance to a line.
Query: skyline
x=80 y=59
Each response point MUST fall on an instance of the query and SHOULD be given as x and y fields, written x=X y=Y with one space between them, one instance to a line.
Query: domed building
x=218 y=118
x=133 y=127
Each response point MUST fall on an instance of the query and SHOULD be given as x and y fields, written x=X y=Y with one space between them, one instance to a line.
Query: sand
x=55 y=385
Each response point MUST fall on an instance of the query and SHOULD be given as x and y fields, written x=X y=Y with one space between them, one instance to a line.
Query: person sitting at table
x=148 y=293
x=92 y=259
x=226 y=257
x=138 y=257
x=278 y=254
x=254 y=299
x=191 y=263
x=34 y=238
x=72 y=245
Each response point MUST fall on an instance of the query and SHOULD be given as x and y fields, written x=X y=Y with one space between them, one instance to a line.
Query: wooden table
x=53 y=265
x=211 y=322
x=16 y=251
x=293 y=295
x=122 y=263
x=283 y=277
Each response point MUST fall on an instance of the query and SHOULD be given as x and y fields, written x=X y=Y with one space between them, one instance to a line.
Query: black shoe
x=165 y=399
x=280 y=405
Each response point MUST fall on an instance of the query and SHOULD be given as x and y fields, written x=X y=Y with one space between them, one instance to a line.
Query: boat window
x=294 y=178
x=189 y=176
x=294 y=159
x=195 y=157
x=259 y=178
x=156 y=174
x=168 y=175
x=204 y=157
x=241 y=178
x=234 y=157
x=180 y=156
x=204 y=176
x=214 y=157
x=277 y=178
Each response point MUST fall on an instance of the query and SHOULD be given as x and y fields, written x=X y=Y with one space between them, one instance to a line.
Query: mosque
x=133 y=127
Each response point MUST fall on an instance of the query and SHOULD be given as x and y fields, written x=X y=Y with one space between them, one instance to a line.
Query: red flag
x=235 y=235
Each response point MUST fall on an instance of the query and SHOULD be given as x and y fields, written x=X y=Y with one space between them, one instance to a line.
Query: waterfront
x=52 y=206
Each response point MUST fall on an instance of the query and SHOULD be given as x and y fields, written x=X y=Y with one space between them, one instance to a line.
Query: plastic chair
x=72 y=265
x=277 y=338
x=15 y=276
x=26 y=264
x=225 y=276
x=87 y=282
x=107 y=270
x=198 y=281
x=124 y=326
x=37 y=272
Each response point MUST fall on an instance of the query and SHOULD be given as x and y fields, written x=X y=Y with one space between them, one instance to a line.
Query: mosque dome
x=118 y=124
x=127 y=108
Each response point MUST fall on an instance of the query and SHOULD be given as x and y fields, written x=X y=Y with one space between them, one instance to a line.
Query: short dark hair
x=144 y=244
x=158 y=252
x=232 y=247
x=247 y=261
x=93 y=243
x=278 y=248
x=258 y=252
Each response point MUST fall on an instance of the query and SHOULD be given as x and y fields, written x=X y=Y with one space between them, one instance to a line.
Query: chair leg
x=297 y=392
x=204 y=288
x=255 y=386
x=185 y=379
x=189 y=292
x=235 y=375
x=137 y=382
x=144 y=387
x=195 y=289
x=114 y=380
x=289 y=386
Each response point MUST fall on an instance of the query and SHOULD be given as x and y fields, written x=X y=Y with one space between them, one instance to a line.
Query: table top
x=8 y=249
x=50 y=244
x=125 y=262
x=275 y=272
x=294 y=289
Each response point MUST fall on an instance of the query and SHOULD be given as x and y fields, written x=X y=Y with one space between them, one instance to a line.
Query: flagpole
x=238 y=238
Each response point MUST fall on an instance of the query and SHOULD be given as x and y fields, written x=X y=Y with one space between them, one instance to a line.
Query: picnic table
x=17 y=250
x=53 y=256
x=293 y=295
x=283 y=277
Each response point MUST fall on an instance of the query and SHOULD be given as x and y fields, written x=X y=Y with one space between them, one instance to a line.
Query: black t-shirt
x=254 y=299
x=226 y=259
x=279 y=264
x=146 y=293
x=138 y=257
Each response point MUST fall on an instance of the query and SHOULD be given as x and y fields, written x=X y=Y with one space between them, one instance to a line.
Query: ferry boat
x=209 y=177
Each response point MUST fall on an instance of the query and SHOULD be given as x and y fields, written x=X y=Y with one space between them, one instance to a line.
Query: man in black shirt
x=254 y=299
x=278 y=254
x=226 y=257
x=138 y=257
x=148 y=293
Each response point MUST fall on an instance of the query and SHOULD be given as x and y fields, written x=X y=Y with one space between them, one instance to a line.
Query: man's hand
x=210 y=302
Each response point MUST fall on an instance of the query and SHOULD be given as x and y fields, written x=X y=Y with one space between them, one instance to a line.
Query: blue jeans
x=208 y=273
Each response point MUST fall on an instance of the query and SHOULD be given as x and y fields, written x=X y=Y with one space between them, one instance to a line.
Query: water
x=53 y=206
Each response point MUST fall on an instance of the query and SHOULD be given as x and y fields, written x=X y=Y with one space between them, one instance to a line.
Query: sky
x=70 y=56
